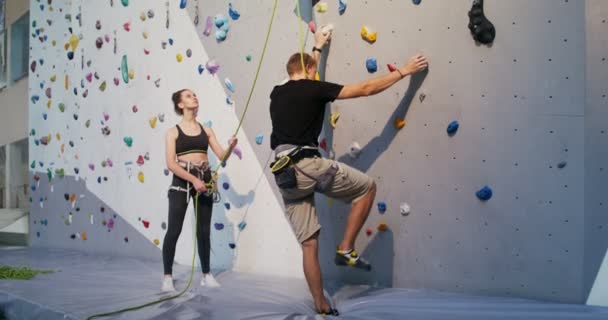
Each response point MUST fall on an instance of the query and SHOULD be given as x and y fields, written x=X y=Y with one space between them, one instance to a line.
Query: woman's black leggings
x=177 y=213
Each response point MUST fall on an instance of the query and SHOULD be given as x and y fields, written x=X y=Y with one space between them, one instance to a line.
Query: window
x=20 y=47
x=14 y=173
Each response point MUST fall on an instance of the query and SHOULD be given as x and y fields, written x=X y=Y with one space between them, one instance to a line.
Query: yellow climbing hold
x=179 y=57
x=48 y=104
x=74 y=40
x=83 y=236
x=131 y=74
x=58 y=135
x=142 y=16
x=145 y=34
x=317 y=77
x=321 y=7
x=330 y=201
x=156 y=242
x=53 y=78
x=153 y=122
x=399 y=123
x=333 y=119
x=54 y=43
x=66 y=82
x=140 y=177
x=368 y=35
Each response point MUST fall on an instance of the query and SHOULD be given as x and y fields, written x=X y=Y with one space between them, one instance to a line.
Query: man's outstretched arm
x=376 y=85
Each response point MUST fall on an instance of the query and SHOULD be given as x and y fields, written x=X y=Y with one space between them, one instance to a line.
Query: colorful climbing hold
x=200 y=69
x=225 y=185
x=333 y=119
x=242 y=225
x=372 y=65
x=381 y=207
x=248 y=57
x=259 y=138
x=229 y=85
x=452 y=128
x=212 y=66
x=368 y=35
x=141 y=177
x=179 y=57
x=124 y=68
x=484 y=194
x=235 y=15
x=399 y=123
x=218 y=226
x=382 y=227
x=321 y=7
x=182 y=4
x=125 y=2
x=208 y=26
x=404 y=208
x=341 y=7
x=312 y=27
x=128 y=141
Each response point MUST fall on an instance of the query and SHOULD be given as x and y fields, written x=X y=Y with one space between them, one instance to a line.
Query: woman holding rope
x=186 y=155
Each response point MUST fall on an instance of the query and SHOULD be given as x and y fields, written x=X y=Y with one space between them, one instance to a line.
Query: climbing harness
x=200 y=170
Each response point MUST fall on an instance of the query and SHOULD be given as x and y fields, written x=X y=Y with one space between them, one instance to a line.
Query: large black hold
x=482 y=29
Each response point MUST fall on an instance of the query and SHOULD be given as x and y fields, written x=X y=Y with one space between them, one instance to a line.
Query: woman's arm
x=215 y=146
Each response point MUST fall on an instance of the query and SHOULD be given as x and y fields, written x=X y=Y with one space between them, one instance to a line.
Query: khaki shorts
x=349 y=185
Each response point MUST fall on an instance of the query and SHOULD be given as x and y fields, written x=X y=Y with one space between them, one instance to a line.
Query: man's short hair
x=294 y=65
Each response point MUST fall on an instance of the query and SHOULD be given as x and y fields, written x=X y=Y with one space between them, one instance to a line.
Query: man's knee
x=312 y=242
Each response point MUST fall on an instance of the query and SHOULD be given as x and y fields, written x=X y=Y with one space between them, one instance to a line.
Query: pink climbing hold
x=391 y=67
x=140 y=160
x=312 y=27
x=127 y=26
x=146 y=223
x=323 y=145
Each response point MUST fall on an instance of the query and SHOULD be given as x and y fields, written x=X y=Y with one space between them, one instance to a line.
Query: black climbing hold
x=482 y=29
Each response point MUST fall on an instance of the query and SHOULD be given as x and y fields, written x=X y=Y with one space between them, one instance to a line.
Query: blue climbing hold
x=235 y=15
x=182 y=4
x=220 y=20
x=218 y=226
x=171 y=41
x=342 y=7
x=227 y=205
x=44 y=116
x=453 y=127
x=562 y=164
x=220 y=35
x=208 y=124
x=232 y=245
x=416 y=2
x=225 y=185
x=372 y=65
x=484 y=194
x=200 y=69
x=381 y=207
x=242 y=225
x=259 y=138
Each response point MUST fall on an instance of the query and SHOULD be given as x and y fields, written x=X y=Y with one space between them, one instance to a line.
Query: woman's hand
x=199 y=186
x=232 y=142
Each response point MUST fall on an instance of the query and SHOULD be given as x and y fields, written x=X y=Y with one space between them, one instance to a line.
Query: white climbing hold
x=355 y=150
x=404 y=208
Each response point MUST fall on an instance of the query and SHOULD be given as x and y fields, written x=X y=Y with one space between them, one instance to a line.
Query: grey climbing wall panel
x=522 y=108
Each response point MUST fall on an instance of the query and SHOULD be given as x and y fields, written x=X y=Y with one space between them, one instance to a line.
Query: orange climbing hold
x=382 y=227
x=399 y=123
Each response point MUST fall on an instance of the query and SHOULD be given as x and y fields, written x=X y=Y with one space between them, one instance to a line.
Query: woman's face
x=188 y=100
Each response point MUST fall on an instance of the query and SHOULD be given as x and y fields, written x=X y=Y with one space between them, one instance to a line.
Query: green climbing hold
x=49 y=174
x=33 y=164
x=128 y=141
x=125 y=2
x=60 y=173
x=61 y=107
x=248 y=57
x=124 y=68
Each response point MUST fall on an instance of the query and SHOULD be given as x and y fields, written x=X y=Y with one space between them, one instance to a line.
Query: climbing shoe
x=351 y=258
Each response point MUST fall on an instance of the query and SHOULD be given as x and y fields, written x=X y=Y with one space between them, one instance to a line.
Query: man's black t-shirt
x=297 y=109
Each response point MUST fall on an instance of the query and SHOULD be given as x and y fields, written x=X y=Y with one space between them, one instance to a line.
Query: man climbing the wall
x=297 y=109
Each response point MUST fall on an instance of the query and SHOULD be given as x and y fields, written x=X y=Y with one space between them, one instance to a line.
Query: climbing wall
x=520 y=103
x=101 y=78
x=528 y=108
x=596 y=154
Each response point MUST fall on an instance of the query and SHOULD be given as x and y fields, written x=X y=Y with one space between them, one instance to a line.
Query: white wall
x=132 y=200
